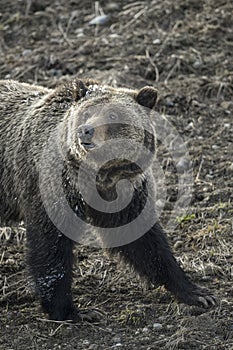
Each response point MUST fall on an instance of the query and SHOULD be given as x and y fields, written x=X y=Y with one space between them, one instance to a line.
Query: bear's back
x=15 y=100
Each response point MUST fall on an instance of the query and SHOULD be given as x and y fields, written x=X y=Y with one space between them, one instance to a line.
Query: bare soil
x=184 y=48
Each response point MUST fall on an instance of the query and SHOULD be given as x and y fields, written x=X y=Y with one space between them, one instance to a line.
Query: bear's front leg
x=151 y=257
x=50 y=260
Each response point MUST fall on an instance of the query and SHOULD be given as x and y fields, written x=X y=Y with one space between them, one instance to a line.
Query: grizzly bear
x=84 y=115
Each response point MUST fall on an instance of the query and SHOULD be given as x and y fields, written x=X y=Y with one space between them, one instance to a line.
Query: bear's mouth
x=88 y=145
x=121 y=168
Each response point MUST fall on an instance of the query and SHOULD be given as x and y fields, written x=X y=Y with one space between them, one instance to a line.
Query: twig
x=176 y=65
x=136 y=16
x=199 y=170
x=64 y=35
x=28 y=6
x=52 y=333
x=153 y=65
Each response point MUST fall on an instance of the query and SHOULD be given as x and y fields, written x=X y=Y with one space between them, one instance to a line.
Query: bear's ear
x=147 y=96
x=79 y=89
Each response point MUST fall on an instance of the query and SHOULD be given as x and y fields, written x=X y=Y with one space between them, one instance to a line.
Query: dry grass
x=185 y=49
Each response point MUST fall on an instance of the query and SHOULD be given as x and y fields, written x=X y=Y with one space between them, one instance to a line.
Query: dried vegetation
x=185 y=49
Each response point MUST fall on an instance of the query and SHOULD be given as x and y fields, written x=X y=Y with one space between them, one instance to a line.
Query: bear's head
x=113 y=126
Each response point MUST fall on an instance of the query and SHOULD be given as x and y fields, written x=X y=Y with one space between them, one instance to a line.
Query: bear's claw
x=203 y=297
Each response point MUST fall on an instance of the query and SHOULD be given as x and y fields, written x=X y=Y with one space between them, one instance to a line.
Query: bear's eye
x=85 y=115
x=112 y=116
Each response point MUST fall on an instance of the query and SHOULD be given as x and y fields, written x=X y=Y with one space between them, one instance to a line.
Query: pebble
x=157 y=326
x=197 y=64
x=157 y=41
x=114 y=35
x=189 y=126
x=10 y=261
x=93 y=347
x=27 y=52
x=116 y=339
x=145 y=330
x=86 y=342
x=183 y=164
x=227 y=125
x=79 y=32
x=160 y=204
x=226 y=104
x=99 y=20
x=169 y=102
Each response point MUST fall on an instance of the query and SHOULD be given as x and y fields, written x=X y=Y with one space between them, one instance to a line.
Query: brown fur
x=29 y=114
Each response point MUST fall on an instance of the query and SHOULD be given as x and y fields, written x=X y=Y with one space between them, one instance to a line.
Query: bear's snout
x=85 y=134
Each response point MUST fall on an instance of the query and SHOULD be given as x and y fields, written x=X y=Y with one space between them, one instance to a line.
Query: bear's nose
x=85 y=133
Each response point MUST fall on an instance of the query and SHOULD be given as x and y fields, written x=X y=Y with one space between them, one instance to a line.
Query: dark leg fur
x=50 y=259
x=152 y=258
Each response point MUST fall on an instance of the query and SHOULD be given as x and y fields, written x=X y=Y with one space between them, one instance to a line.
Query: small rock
x=101 y=20
x=231 y=167
x=157 y=41
x=10 y=261
x=114 y=35
x=206 y=278
x=86 y=342
x=145 y=330
x=190 y=126
x=157 y=326
x=160 y=204
x=226 y=104
x=27 y=52
x=227 y=125
x=79 y=32
x=197 y=64
x=116 y=339
x=215 y=146
x=183 y=164
x=169 y=102
x=92 y=347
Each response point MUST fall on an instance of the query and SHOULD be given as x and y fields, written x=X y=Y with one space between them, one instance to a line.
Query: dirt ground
x=184 y=48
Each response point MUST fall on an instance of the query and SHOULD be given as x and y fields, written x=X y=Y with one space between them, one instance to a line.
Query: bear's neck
x=107 y=192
